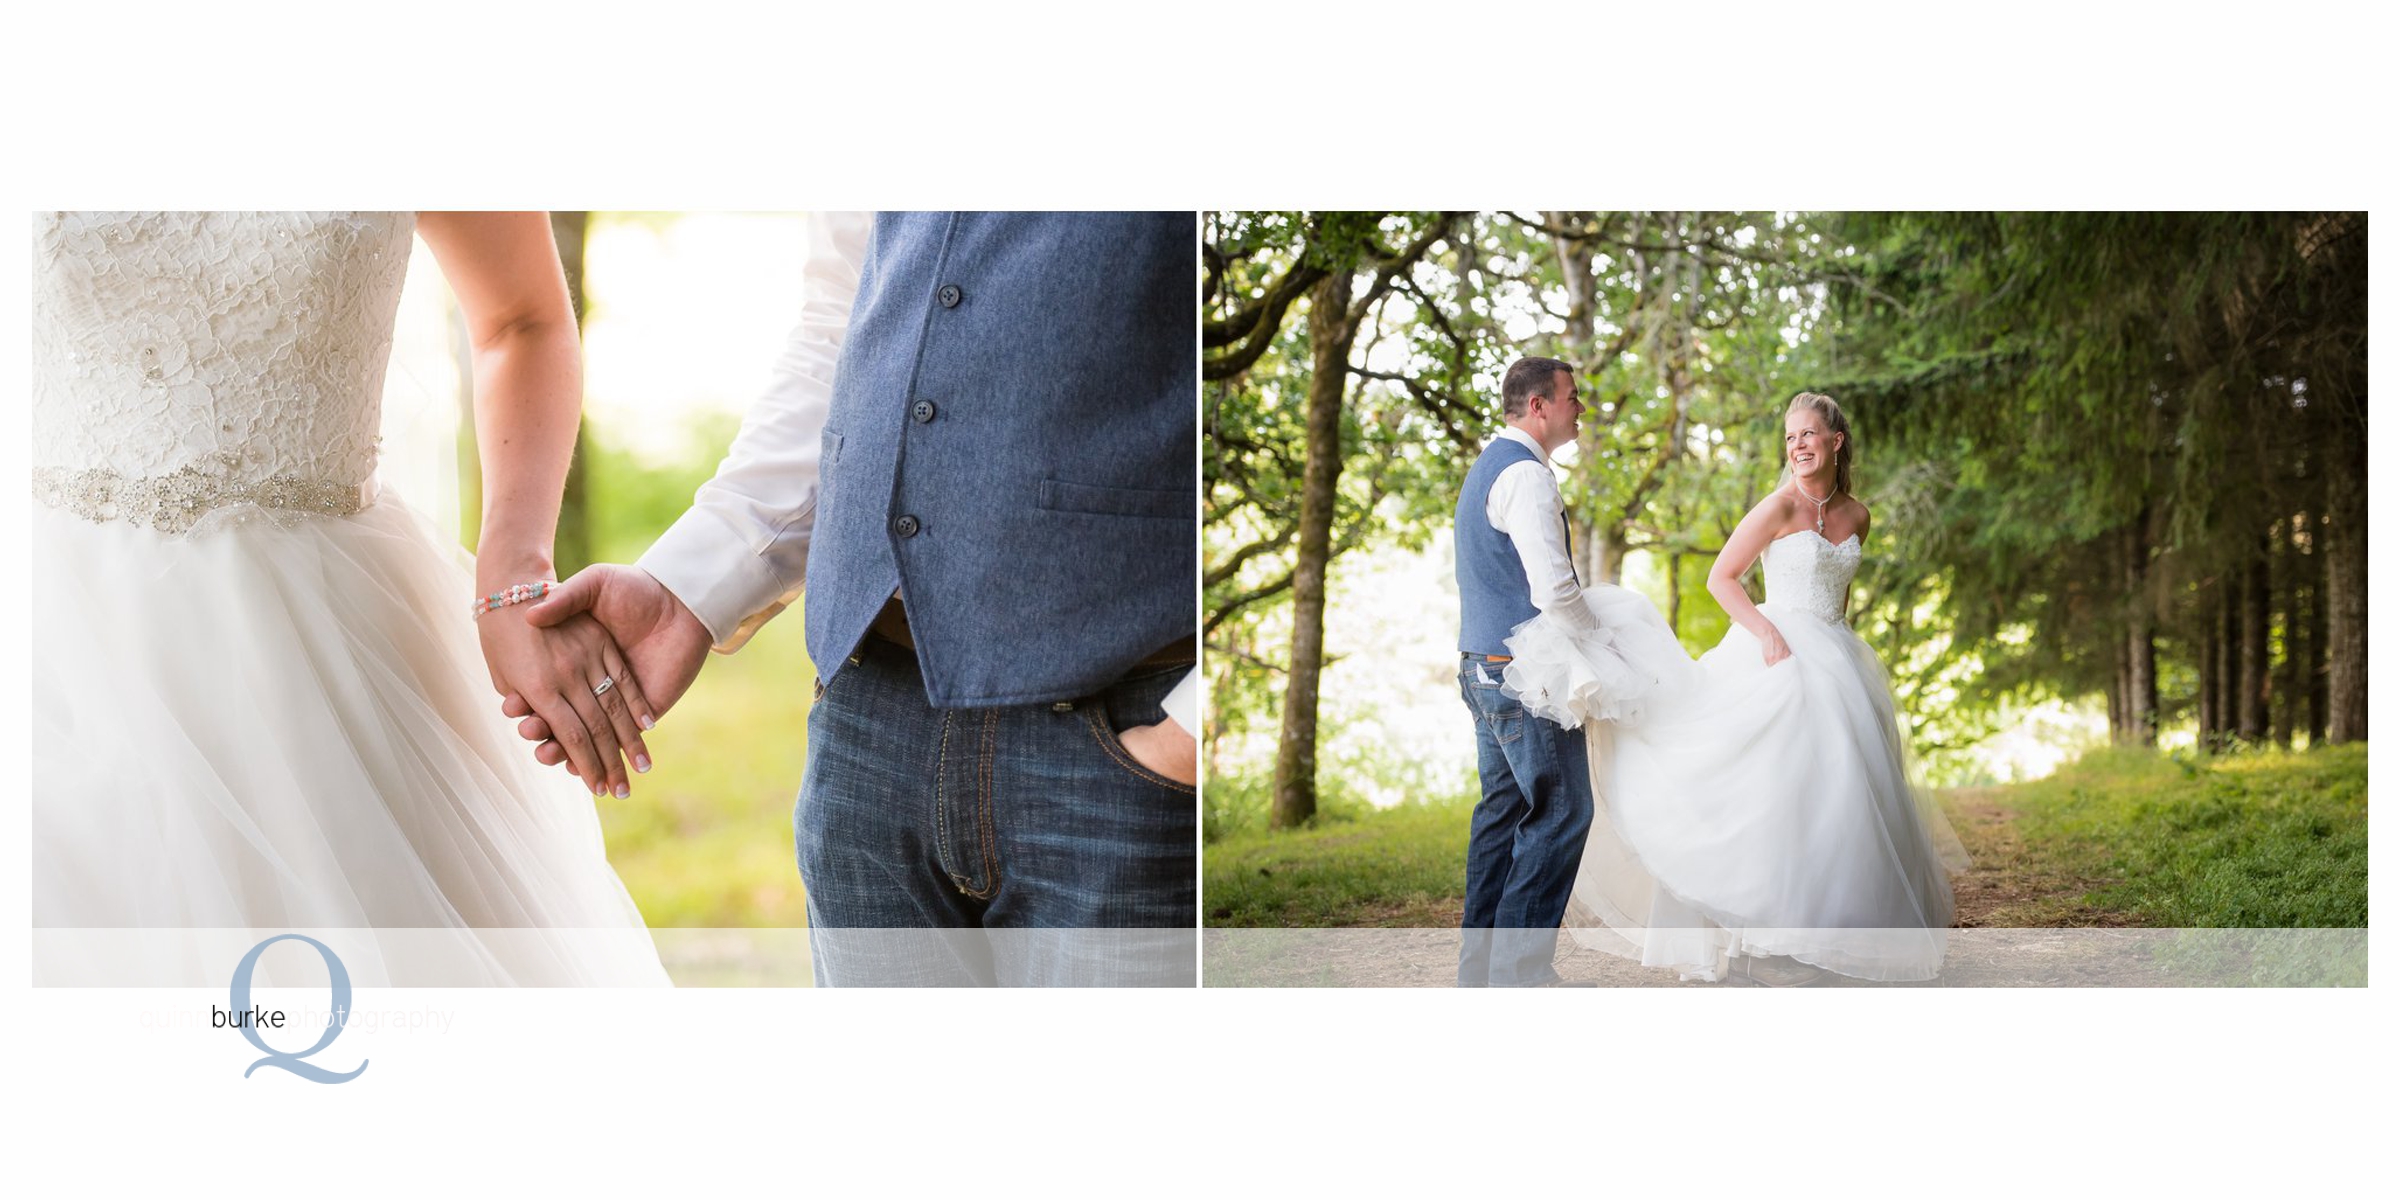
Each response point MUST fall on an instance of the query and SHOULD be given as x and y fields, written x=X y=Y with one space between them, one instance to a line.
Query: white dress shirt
x=740 y=553
x=1524 y=504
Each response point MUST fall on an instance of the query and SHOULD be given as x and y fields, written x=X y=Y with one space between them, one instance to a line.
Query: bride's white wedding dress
x=1744 y=809
x=258 y=701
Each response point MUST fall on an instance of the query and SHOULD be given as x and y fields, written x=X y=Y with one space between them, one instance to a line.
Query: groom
x=1527 y=833
x=977 y=454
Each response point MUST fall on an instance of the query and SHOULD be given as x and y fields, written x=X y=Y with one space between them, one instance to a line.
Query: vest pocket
x=1179 y=504
x=829 y=452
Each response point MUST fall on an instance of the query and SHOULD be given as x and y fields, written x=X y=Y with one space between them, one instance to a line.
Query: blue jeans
x=1526 y=838
x=1015 y=846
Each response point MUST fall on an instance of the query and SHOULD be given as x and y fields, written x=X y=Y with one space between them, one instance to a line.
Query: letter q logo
x=290 y=1060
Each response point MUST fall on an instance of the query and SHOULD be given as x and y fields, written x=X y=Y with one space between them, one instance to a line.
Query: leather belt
x=1486 y=657
x=891 y=624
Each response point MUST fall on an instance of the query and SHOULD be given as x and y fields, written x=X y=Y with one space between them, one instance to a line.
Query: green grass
x=2266 y=840
x=706 y=838
x=2261 y=840
x=1403 y=866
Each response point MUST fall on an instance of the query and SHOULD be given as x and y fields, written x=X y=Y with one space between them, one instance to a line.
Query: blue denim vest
x=1012 y=444
x=1494 y=596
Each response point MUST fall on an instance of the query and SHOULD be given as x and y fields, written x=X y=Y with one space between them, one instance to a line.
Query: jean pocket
x=1095 y=715
x=1508 y=726
x=1493 y=702
x=1174 y=504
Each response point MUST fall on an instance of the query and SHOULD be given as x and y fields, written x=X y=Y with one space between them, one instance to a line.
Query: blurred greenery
x=706 y=838
x=2270 y=839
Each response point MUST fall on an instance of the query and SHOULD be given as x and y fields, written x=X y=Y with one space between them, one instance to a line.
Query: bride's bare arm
x=1759 y=527
x=1866 y=520
x=528 y=367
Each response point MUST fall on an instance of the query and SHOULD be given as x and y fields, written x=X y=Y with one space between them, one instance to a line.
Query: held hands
x=665 y=646
x=574 y=678
x=663 y=643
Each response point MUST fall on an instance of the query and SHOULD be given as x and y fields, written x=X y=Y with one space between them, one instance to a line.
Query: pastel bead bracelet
x=522 y=593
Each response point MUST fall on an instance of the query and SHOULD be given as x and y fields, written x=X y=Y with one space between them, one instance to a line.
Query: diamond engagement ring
x=606 y=682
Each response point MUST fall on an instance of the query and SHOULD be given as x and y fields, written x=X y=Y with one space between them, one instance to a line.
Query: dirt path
x=2018 y=924
x=2002 y=887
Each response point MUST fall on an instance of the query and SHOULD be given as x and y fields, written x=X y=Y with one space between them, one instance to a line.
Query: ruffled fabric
x=1613 y=667
x=289 y=725
x=1743 y=809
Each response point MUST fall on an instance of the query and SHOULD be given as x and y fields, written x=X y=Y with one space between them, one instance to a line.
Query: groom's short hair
x=1527 y=378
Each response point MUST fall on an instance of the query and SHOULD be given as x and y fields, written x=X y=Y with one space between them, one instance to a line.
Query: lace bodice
x=186 y=364
x=1806 y=572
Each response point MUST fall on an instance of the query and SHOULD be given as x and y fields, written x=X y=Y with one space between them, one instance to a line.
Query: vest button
x=949 y=295
x=922 y=410
x=905 y=526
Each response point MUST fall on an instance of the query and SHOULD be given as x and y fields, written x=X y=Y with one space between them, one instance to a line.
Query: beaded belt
x=175 y=502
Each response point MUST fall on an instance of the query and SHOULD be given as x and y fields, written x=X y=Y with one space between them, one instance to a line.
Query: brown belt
x=1485 y=657
x=891 y=624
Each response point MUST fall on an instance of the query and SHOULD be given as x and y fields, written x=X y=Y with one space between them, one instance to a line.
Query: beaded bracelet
x=521 y=593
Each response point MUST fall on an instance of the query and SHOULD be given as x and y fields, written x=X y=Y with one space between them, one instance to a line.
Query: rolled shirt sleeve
x=740 y=553
x=1525 y=504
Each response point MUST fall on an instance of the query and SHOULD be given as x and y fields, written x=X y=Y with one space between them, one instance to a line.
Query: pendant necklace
x=1813 y=500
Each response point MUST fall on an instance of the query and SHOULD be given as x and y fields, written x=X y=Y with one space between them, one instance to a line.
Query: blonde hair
x=1831 y=414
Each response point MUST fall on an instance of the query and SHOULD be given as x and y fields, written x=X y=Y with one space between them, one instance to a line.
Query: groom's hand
x=1164 y=748
x=661 y=639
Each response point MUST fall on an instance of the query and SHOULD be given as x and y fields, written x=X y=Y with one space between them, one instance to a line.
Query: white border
x=707 y=105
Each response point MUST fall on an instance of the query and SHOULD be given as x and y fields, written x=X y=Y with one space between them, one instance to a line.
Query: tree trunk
x=2313 y=667
x=2120 y=694
x=1608 y=555
x=1903 y=615
x=2285 y=581
x=2250 y=704
x=1675 y=594
x=572 y=547
x=2141 y=646
x=2206 y=644
x=1330 y=333
x=2229 y=657
x=2346 y=590
x=1576 y=345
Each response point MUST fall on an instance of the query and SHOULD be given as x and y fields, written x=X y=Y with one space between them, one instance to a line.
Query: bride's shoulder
x=1859 y=513
x=1778 y=506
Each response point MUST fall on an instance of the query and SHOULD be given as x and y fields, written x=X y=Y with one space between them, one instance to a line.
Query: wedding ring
x=605 y=683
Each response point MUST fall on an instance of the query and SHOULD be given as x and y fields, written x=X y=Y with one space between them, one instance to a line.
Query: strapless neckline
x=1815 y=579
x=1819 y=536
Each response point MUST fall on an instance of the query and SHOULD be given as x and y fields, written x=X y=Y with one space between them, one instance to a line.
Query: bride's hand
x=558 y=672
x=661 y=638
x=1771 y=644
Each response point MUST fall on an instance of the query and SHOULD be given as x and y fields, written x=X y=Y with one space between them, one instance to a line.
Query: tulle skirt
x=1743 y=809
x=286 y=724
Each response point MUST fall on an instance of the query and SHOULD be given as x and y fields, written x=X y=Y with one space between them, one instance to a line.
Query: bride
x=258 y=700
x=1755 y=805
